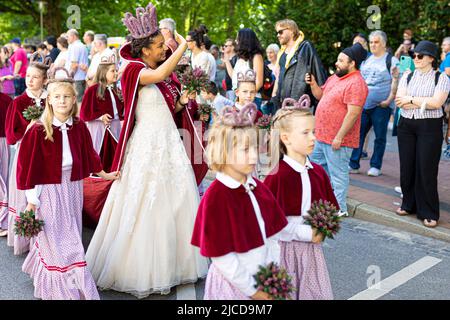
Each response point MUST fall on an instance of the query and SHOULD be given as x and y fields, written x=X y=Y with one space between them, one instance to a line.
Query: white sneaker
x=374 y=172
x=342 y=213
x=399 y=190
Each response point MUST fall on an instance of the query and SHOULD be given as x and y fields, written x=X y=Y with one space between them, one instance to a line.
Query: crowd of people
x=112 y=120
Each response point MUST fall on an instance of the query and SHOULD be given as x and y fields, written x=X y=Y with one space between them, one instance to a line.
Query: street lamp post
x=41 y=10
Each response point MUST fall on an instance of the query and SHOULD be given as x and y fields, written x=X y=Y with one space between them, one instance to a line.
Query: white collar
x=42 y=96
x=234 y=184
x=58 y=123
x=296 y=165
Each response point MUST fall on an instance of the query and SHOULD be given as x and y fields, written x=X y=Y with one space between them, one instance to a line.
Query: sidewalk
x=375 y=199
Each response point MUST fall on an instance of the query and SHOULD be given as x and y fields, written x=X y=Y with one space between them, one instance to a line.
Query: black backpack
x=268 y=81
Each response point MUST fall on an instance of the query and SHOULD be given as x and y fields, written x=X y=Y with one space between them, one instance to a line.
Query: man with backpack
x=296 y=58
x=380 y=72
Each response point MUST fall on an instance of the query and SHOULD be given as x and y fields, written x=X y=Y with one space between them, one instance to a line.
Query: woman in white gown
x=142 y=242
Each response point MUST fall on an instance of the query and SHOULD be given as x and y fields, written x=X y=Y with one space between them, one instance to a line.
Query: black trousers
x=420 y=144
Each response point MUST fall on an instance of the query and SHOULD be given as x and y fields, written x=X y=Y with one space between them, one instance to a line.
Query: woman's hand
x=179 y=39
x=115 y=175
x=186 y=96
x=402 y=101
x=106 y=119
x=261 y=295
x=32 y=122
x=30 y=207
x=318 y=237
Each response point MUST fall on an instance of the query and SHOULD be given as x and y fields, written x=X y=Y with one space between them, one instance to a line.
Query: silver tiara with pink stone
x=108 y=60
x=144 y=24
x=230 y=116
x=247 y=76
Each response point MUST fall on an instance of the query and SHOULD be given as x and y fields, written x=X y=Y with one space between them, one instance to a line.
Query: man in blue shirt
x=445 y=64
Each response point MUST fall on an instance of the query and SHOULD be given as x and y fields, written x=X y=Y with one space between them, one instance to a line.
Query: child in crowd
x=296 y=183
x=55 y=156
x=211 y=95
x=238 y=219
x=102 y=108
x=5 y=101
x=15 y=127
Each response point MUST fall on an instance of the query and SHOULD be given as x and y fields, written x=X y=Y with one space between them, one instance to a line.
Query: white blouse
x=239 y=268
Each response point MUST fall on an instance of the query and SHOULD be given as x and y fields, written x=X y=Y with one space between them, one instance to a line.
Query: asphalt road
x=409 y=266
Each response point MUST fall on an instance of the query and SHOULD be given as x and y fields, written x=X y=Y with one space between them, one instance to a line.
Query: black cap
x=356 y=53
x=428 y=48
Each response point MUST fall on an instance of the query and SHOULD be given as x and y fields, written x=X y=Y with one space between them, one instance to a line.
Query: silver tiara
x=304 y=103
x=230 y=116
x=144 y=24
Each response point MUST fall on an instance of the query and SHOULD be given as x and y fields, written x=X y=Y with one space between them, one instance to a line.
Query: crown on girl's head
x=230 y=116
x=304 y=103
x=52 y=75
x=108 y=60
x=38 y=58
x=247 y=76
x=144 y=24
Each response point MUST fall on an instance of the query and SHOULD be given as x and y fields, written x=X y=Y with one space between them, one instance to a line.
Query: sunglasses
x=280 y=32
x=418 y=56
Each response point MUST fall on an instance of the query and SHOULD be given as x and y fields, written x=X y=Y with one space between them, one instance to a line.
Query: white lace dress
x=142 y=242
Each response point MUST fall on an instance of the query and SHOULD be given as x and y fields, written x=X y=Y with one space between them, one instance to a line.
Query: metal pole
x=41 y=9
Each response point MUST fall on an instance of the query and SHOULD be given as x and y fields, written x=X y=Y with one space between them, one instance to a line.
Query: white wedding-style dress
x=142 y=244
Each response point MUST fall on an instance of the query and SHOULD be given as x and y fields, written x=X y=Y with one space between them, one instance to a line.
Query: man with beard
x=296 y=57
x=338 y=118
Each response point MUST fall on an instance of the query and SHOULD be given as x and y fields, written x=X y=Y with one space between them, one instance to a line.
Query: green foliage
x=324 y=22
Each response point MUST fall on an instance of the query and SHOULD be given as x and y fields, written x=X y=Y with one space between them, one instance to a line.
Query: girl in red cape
x=55 y=155
x=296 y=183
x=141 y=244
x=102 y=109
x=5 y=101
x=238 y=220
x=15 y=127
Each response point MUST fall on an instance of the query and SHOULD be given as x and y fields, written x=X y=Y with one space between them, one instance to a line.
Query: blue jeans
x=19 y=86
x=335 y=164
x=378 y=118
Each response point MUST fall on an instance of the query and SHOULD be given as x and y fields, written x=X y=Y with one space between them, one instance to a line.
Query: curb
x=362 y=211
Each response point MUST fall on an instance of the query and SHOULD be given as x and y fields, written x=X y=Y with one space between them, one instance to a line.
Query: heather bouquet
x=194 y=80
x=33 y=112
x=26 y=224
x=323 y=216
x=275 y=281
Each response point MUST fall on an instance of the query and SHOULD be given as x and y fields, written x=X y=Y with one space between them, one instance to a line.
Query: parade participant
x=238 y=219
x=296 y=183
x=15 y=127
x=5 y=101
x=102 y=109
x=55 y=155
x=141 y=244
x=246 y=90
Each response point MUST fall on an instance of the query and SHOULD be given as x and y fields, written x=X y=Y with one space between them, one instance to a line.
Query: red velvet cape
x=286 y=185
x=40 y=160
x=92 y=107
x=16 y=124
x=5 y=101
x=226 y=221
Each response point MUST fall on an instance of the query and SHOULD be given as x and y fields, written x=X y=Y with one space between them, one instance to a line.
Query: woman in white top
x=199 y=58
x=60 y=61
x=250 y=56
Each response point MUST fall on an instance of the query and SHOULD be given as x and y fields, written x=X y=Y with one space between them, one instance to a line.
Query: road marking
x=186 y=292
x=397 y=279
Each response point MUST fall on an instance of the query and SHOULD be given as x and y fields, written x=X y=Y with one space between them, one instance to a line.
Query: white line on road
x=397 y=279
x=186 y=292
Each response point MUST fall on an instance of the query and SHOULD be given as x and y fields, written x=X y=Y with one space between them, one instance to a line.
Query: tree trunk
x=53 y=18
